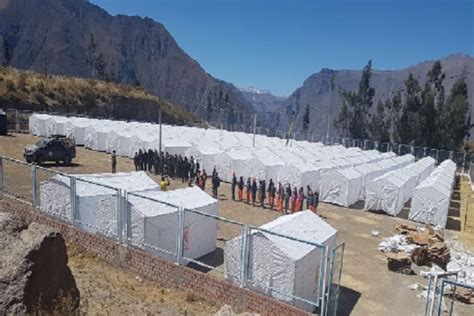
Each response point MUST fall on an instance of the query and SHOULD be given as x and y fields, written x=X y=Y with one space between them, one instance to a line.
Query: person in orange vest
x=294 y=198
x=280 y=198
x=249 y=189
x=241 y=188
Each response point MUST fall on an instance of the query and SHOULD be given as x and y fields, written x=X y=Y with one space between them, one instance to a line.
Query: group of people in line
x=283 y=198
x=174 y=166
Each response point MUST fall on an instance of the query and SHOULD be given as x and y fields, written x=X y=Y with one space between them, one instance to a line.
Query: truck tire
x=39 y=160
x=67 y=160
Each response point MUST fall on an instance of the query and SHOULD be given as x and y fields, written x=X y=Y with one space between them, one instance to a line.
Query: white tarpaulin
x=154 y=224
x=281 y=263
x=391 y=191
x=431 y=200
x=96 y=198
x=341 y=186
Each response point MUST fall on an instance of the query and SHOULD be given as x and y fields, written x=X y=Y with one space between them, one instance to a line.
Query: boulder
x=34 y=276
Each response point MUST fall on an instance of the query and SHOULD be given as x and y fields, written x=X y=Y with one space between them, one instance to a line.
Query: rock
x=399 y=262
x=34 y=275
x=227 y=310
x=375 y=233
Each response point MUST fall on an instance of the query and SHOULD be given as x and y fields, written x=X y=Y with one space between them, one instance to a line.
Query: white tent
x=391 y=191
x=289 y=266
x=96 y=198
x=341 y=186
x=300 y=174
x=76 y=127
x=268 y=165
x=238 y=160
x=205 y=155
x=154 y=224
x=431 y=200
x=37 y=124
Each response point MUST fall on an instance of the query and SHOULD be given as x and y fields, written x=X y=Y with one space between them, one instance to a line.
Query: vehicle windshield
x=41 y=143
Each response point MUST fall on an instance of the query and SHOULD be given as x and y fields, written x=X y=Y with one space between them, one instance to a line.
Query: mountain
x=26 y=90
x=77 y=38
x=262 y=100
x=325 y=102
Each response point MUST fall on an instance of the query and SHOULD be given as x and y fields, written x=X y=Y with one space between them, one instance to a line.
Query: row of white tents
x=342 y=175
x=152 y=217
x=432 y=198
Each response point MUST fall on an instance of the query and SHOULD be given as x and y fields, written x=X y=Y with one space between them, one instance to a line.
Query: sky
x=276 y=44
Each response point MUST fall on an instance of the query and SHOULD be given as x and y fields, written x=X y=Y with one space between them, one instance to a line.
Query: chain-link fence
x=296 y=271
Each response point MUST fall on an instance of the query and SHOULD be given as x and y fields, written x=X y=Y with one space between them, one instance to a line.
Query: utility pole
x=254 y=127
x=327 y=130
x=161 y=130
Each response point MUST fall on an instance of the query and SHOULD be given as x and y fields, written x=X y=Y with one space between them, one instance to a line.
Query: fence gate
x=334 y=284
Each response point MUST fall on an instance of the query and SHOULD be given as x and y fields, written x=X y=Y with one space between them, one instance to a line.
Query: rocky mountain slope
x=77 y=38
x=320 y=91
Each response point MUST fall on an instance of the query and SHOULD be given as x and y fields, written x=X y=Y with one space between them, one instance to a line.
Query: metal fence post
x=324 y=292
x=119 y=216
x=127 y=221
x=245 y=253
x=72 y=187
x=179 y=252
x=33 y=187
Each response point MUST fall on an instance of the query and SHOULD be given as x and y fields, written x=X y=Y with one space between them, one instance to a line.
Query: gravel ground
x=368 y=287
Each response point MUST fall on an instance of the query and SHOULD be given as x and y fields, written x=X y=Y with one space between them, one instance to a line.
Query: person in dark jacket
x=215 y=184
x=241 y=188
x=271 y=193
x=262 y=193
x=233 y=185
x=114 y=161
x=254 y=191
x=135 y=161
x=288 y=194
x=248 y=189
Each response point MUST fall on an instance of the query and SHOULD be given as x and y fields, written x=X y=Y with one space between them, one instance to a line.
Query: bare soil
x=368 y=287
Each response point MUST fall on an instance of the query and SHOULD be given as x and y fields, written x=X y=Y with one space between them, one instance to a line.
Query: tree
x=457 y=117
x=358 y=105
x=343 y=120
x=306 y=118
x=408 y=125
x=379 y=125
x=95 y=60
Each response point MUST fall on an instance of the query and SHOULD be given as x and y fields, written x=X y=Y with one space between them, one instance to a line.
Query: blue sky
x=277 y=44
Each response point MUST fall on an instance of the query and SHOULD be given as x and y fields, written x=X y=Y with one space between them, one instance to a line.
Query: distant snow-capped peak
x=252 y=89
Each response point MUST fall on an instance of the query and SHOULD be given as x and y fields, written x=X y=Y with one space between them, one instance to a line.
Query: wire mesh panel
x=455 y=298
x=96 y=207
x=418 y=152
x=152 y=226
x=459 y=159
x=334 y=284
x=213 y=244
x=405 y=149
x=286 y=268
x=53 y=194
x=17 y=180
x=443 y=155
x=433 y=153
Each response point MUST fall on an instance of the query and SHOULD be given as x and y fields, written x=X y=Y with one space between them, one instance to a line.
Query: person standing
x=301 y=197
x=114 y=161
x=164 y=184
x=294 y=197
x=204 y=179
x=135 y=161
x=280 y=198
x=309 y=195
x=215 y=185
x=262 y=196
x=241 y=188
x=287 y=198
x=271 y=193
x=254 y=191
x=233 y=185
x=316 y=201
x=249 y=189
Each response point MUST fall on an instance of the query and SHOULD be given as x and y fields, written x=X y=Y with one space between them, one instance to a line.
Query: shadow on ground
x=348 y=298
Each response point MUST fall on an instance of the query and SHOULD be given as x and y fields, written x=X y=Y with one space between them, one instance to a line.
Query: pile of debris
x=425 y=246
x=419 y=245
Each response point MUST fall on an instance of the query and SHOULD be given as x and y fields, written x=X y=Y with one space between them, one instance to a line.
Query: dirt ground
x=368 y=287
